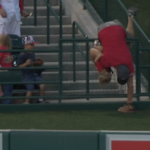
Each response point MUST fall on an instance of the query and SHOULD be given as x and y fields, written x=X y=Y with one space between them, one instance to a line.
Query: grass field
x=76 y=120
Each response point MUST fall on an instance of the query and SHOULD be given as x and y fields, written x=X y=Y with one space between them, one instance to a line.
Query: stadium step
x=42 y=30
x=42 y=20
x=40 y=2
x=42 y=10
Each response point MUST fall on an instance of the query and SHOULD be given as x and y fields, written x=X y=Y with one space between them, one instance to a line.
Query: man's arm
x=21 y=5
x=99 y=48
x=98 y=57
x=130 y=89
x=27 y=63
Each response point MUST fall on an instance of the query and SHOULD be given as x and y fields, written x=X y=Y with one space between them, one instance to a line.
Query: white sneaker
x=26 y=103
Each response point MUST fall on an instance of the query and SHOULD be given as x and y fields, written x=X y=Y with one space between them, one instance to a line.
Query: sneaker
x=26 y=103
x=41 y=102
x=132 y=11
x=127 y=108
x=96 y=43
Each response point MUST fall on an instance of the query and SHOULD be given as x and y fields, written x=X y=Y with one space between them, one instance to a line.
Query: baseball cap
x=29 y=40
x=123 y=74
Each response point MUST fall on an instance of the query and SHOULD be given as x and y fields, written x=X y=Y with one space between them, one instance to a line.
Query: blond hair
x=5 y=41
x=104 y=78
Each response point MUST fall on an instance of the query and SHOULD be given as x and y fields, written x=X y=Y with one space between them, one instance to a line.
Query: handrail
x=140 y=29
x=74 y=44
x=79 y=27
x=47 y=3
x=59 y=18
x=35 y=12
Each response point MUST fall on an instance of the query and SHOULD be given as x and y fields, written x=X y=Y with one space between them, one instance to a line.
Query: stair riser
x=43 y=30
x=69 y=76
x=53 y=39
x=53 y=57
x=40 y=2
x=43 y=11
x=66 y=48
x=80 y=86
x=43 y=21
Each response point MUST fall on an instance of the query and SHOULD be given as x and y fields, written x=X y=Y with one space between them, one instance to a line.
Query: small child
x=27 y=59
x=6 y=58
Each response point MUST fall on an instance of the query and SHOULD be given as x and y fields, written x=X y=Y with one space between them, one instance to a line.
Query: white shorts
x=13 y=26
x=3 y=29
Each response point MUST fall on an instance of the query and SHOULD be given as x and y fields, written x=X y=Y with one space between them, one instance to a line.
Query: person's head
x=28 y=42
x=5 y=41
x=123 y=74
x=104 y=77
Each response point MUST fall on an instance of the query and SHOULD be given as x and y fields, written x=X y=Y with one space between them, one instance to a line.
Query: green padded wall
x=54 y=140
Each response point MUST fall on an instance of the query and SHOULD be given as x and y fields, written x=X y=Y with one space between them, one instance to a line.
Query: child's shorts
x=32 y=78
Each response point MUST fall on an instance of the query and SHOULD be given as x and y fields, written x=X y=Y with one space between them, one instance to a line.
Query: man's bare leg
x=130 y=27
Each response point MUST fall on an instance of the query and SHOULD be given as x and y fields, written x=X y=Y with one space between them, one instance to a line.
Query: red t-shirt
x=115 y=49
x=3 y=56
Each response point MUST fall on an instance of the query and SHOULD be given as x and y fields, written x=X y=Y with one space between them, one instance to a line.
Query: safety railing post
x=149 y=75
x=74 y=57
x=138 y=76
x=48 y=24
x=60 y=70
x=87 y=68
x=106 y=10
x=60 y=19
x=35 y=12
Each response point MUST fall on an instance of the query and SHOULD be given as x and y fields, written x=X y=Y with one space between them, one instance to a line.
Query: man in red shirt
x=115 y=52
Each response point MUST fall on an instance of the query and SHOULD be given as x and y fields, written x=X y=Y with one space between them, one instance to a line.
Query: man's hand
x=3 y=12
x=28 y=62
x=25 y=14
x=8 y=59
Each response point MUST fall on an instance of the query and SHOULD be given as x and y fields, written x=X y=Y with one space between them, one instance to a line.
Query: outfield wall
x=73 y=140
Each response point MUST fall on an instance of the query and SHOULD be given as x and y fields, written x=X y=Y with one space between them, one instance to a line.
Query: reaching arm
x=130 y=89
x=98 y=57
x=27 y=63
x=99 y=48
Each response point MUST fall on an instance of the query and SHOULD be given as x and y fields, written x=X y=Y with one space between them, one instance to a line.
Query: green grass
x=76 y=120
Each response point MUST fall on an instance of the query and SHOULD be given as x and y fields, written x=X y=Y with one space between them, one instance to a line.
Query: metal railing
x=59 y=19
x=50 y=9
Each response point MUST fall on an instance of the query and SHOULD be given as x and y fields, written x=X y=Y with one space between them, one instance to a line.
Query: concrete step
x=82 y=92
x=68 y=66
x=42 y=10
x=53 y=57
x=68 y=76
x=67 y=47
x=53 y=38
x=42 y=30
x=40 y=2
x=80 y=85
x=42 y=20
